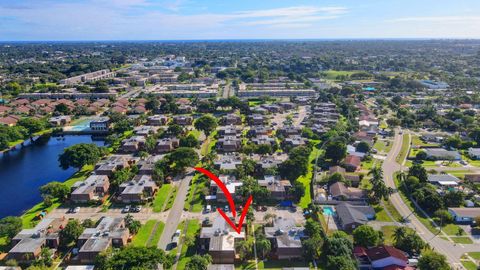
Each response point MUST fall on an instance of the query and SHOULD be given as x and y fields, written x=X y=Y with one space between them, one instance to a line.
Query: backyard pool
x=328 y=210
x=80 y=125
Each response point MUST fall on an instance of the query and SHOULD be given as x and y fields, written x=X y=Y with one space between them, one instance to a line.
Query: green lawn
x=404 y=150
x=469 y=265
x=161 y=197
x=147 y=232
x=208 y=144
x=416 y=141
x=381 y=214
x=475 y=255
x=158 y=233
x=195 y=133
x=393 y=211
x=193 y=227
x=451 y=229
x=171 y=199
x=3 y=244
x=194 y=199
x=462 y=239
x=383 y=146
x=307 y=178
x=333 y=74
x=140 y=240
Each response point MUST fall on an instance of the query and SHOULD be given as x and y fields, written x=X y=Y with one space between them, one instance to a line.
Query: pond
x=25 y=170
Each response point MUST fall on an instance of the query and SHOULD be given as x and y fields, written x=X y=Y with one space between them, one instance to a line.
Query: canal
x=25 y=170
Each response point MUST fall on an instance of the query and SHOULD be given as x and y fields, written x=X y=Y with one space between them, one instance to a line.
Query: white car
x=126 y=209
x=76 y=209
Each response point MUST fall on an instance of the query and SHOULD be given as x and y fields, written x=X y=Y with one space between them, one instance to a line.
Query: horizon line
x=247 y=39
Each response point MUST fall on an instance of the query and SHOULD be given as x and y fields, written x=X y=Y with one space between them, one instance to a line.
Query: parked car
x=126 y=209
x=136 y=209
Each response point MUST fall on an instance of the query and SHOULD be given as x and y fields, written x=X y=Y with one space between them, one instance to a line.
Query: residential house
x=257 y=119
x=294 y=141
x=229 y=131
x=259 y=130
x=443 y=179
x=352 y=163
x=60 y=120
x=139 y=189
x=112 y=164
x=133 y=144
x=146 y=131
x=220 y=240
x=351 y=216
x=264 y=139
x=231 y=184
x=474 y=153
x=381 y=257
x=229 y=144
x=442 y=154
x=95 y=187
x=339 y=191
x=100 y=124
x=157 y=120
x=28 y=243
x=228 y=162
x=286 y=239
x=166 y=145
x=110 y=232
x=464 y=215
x=278 y=188
x=287 y=131
x=183 y=120
x=231 y=119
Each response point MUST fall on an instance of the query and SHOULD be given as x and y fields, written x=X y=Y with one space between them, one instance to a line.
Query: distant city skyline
x=37 y=20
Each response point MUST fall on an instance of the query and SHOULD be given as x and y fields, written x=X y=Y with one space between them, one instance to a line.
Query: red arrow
x=238 y=228
x=222 y=186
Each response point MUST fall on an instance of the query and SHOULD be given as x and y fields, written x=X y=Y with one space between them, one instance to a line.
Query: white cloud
x=442 y=19
x=140 y=19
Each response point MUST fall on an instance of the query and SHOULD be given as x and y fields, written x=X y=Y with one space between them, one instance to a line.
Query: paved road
x=451 y=251
x=228 y=91
x=175 y=215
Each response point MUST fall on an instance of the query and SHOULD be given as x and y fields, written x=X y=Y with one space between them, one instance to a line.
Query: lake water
x=25 y=170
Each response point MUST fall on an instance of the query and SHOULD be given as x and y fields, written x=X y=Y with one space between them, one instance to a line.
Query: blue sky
x=237 y=19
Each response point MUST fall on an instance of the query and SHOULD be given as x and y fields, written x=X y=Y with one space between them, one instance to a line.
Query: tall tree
x=80 y=155
x=206 y=123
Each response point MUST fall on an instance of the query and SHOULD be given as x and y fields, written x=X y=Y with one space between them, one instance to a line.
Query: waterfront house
x=95 y=187
x=100 y=124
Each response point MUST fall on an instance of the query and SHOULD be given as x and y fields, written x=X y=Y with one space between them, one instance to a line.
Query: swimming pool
x=328 y=210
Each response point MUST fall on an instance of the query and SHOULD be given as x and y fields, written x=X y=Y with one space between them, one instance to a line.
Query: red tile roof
x=382 y=252
x=352 y=160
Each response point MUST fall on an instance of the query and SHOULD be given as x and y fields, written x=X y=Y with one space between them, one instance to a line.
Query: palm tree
x=399 y=234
